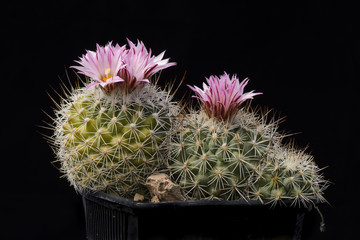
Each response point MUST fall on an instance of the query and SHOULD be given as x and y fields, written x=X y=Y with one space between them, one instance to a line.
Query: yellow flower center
x=107 y=75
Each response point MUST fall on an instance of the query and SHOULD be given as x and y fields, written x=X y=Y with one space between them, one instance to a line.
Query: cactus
x=288 y=173
x=216 y=149
x=215 y=160
x=112 y=134
x=227 y=152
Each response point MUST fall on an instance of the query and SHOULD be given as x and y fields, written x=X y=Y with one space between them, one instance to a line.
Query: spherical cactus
x=217 y=149
x=288 y=174
x=214 y=160
x=112 y=134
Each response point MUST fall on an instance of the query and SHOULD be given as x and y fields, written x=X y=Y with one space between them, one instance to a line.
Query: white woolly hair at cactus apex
x=111 y=132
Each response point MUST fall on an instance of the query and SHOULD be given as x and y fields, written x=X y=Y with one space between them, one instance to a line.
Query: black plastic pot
x=114 y=218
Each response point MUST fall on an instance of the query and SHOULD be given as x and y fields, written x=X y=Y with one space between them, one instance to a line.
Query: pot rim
x=286 y=203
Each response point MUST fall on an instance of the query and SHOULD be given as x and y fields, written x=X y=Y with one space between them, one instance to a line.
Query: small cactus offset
x=111 y=135
x=227 y=152
x=288 y=173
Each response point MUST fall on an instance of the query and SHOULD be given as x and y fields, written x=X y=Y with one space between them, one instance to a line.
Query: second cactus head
x=225 y=151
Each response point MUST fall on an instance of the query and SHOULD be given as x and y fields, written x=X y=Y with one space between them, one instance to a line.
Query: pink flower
x=103 y=65
x=140 y=65
x=223 y=96
x=112 y=64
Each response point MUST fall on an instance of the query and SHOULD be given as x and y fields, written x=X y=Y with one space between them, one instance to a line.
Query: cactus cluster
x=119 y=128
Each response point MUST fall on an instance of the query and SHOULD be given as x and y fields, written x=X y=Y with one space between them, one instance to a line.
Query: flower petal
x=222 y=95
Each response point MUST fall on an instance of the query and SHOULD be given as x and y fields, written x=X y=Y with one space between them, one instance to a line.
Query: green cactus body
x=244 y=159
x=288 y=174
x=113 y=142
x=214 y=160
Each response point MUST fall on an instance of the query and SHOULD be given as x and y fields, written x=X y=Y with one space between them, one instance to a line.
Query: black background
x=303 y=56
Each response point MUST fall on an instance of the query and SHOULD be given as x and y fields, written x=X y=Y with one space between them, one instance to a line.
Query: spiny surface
x=214 y=160
x=242 y=159
x=113 y=142
x=289 y=174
